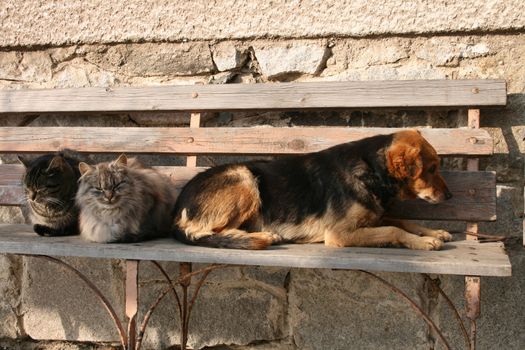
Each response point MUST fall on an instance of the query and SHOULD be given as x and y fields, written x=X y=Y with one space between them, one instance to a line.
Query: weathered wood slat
x=222 y=140
x=457 y=258
x=474 y=194
x=10 y=174
x=474 y=199
x=347 y=94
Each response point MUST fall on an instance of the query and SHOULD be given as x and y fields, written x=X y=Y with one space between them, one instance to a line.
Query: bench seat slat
x=457 y=258
x=347 y=94
x=263 y=140
x=474 y=194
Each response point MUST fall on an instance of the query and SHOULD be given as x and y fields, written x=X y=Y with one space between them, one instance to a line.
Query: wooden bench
x=474 y=191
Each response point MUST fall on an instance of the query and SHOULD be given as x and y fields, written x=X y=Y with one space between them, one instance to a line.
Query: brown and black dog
x=337 y=195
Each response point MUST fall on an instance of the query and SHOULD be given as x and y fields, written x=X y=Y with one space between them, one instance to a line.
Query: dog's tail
x=232 y=239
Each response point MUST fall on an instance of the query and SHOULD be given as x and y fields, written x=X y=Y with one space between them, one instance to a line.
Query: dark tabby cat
x=50 y=184
x=123 y=201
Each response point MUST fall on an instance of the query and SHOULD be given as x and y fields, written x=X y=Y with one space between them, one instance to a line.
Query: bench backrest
x=474 y=191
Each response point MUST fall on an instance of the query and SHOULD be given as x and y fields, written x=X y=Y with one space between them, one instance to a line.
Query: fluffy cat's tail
x=231 y=239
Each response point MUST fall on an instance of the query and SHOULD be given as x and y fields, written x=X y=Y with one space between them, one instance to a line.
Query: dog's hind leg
x=380 y=237
x=218 y=215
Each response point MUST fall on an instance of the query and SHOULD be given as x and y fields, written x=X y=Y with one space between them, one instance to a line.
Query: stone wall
x=53 y=44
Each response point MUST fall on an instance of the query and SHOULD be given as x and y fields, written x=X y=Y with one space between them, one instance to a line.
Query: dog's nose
x=448 y=195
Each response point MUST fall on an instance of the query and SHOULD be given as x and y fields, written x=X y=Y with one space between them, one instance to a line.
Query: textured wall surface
x=58 y=22
x=54 y=44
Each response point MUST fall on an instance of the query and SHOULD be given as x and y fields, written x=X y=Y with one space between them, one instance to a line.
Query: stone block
x=509 y=212
x=39 y=22
x=441 y=52
x=36 y=66
x=71 y=76
x=11 y=215
x=57 y=305
x=227 y=56
x=152 y=59
x=78 y=73
x=346 y=309
x=61 y=54
x=168 y=59
x=9 y=62
x=306 y=57
x=10 y=274
x=361 y=53
x=235 y=306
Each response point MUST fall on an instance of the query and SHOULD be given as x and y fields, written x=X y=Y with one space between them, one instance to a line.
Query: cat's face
x=106 y=184
x=49 y=182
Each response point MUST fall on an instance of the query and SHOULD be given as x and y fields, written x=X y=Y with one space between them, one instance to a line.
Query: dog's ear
x=404 y=161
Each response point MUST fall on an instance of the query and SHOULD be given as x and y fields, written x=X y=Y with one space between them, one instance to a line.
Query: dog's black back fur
x=301 y=186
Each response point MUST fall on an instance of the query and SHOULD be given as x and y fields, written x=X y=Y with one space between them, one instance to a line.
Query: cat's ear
x=122 y=160
x=56 y=163
x=84 y=168
x=23 y=161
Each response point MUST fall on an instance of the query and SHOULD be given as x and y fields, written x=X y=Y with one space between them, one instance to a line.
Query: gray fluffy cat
x=123 y=201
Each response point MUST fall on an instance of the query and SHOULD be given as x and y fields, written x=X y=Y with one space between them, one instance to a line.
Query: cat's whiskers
x=55 y=201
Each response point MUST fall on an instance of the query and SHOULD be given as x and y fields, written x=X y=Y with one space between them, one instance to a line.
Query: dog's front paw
x=427 y=243
x=442 y=235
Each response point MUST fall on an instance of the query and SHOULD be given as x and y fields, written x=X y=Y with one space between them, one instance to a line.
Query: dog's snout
x=448 y=195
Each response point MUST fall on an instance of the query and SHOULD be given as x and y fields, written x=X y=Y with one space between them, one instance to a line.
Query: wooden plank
x=11 y=174
x=265 y=140
x=474 y=198
x=474 y=195
x=345 y=94
x=457 y=258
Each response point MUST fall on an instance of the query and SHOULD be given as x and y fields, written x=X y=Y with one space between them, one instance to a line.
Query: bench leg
x=184 y=271
x=472 y=305
x=132 y=301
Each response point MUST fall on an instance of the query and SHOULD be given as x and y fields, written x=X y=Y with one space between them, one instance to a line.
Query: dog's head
x=415 y=163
